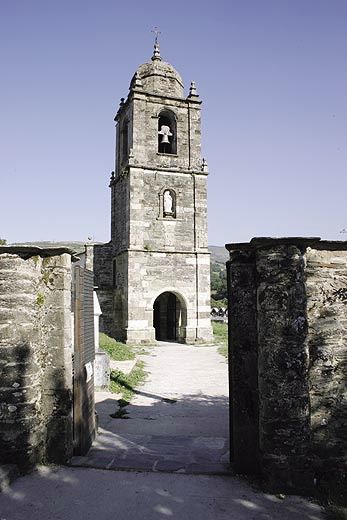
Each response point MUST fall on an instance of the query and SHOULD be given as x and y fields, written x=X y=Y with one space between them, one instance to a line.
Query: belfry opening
x=169 y=317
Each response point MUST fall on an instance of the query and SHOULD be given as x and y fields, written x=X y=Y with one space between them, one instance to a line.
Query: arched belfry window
x=167 y=134
x=169 y=203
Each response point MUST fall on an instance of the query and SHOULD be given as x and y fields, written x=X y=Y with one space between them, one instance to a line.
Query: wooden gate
x=84 y=355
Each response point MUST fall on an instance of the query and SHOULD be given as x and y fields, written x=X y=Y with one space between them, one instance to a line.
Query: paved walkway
x=178 y=421
x=90 y=494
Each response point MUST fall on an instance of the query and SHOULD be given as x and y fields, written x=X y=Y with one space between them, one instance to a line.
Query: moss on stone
x=40 y=299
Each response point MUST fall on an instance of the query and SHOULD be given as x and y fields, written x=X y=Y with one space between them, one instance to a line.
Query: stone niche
x=288 y=353
x=35 y=356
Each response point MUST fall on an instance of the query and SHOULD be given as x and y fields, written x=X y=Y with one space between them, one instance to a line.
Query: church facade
x=153 y=277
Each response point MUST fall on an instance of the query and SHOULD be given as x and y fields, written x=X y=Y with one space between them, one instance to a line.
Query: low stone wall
x=35 y=355
x=288 y=350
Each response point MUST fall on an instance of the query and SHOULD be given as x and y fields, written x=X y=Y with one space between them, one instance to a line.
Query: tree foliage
x=218 y=282
x=3 y=241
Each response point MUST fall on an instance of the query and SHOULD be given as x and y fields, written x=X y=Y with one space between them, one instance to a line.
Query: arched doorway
x=169 y=317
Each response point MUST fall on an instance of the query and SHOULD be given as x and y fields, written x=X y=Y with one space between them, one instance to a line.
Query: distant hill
x=219 y=254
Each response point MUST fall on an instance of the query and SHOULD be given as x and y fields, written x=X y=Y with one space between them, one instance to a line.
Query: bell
x=165 y=133
x=165 y=139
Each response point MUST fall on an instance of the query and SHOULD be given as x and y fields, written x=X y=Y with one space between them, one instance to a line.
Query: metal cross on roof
x=156 y=32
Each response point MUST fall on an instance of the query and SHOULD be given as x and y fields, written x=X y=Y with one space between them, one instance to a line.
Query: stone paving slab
x=94 y=494
x=157 y=453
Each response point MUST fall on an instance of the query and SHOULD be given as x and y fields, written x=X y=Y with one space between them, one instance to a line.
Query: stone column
x=56 y=356
x=243 y=361
x=35 y=356
x=284 y=408
x=21 y=429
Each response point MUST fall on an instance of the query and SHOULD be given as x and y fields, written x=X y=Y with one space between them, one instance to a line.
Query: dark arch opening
x=167 y=135
x=169 y=317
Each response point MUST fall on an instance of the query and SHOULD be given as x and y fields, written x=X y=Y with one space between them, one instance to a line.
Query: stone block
x=101 y=370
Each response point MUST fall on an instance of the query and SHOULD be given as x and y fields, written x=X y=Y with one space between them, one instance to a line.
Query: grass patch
x=220 y=331
x=126 y=384
x=116 y=350
x=220 y=334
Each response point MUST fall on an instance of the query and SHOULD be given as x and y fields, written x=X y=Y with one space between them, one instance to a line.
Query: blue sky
x=272 y=75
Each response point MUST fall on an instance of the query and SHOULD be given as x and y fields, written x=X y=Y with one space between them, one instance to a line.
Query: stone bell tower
x=154 y=275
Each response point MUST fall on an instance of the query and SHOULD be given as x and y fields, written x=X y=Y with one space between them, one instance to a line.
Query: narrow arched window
x=114 y=273
x=167 y=134
x=124 y=141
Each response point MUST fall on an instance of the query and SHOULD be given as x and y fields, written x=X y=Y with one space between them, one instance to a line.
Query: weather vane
x=156 y=32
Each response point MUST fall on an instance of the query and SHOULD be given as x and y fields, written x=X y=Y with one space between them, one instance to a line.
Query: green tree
x=3 y=242
x=218 y=281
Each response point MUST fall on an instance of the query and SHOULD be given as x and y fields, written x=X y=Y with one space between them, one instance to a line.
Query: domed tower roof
x=159 y=77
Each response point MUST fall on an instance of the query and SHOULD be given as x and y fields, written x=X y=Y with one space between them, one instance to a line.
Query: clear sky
x=272 y=75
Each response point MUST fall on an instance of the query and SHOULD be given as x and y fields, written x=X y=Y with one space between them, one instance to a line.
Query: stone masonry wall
x=152 y=273
x=288 y=346
x=284 y=421
x=35 y=356
x=149 y=229
x=145 y=132
x=103 y=279
x=326 y=288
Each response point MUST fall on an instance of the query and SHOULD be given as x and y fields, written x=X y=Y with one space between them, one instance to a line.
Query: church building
x=153 y=277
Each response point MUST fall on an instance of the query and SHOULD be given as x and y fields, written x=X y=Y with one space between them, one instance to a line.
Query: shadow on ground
x=82 y=494
x=186 y=434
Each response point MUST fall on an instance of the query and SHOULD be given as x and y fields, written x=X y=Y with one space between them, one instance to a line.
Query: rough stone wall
x=200 y=204
x=243 y=370
x=288 y=326
x=120 y=296
x=149 y=229
x=284 y=421
x=145 y=133
x=35 y=358
x=120 y=213
x=103 y=279
x=326 y=285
